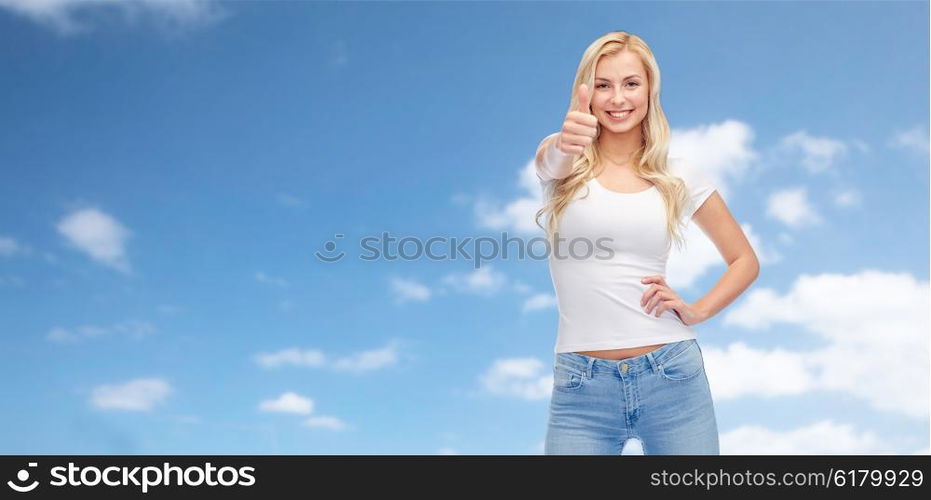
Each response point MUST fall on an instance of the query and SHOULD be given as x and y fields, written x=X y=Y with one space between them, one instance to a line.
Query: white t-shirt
x=598 y=284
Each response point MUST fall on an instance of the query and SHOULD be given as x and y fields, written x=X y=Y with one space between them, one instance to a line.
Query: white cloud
x=61 y=335
x=873 y=327
x=62 y=15
x=818 y=153
x=134 y=329
x=791 y=207
x=10 y=247
x=98 y=235
x=169 y=309
x=820 y=438
x=740 y=370
x=12 y=281
x=136 y=395
x=407 y=290
x=365 y=361
x=722 y=150
x=487 y=282
x=290 y=200
x=915 y=139
x=539 y=301
x=289 y=402
x=359 y=362
x=520 y=377
x=261 y=277
x=766 y=255
x=326 y=422
x=446 y=450
x=186 y=419
x=482 y=281
x=684 y=267
x=521 y=287
x=861 y=145
x=292 y=356
x=339 y=53
x=516 y=215
x=847 y=198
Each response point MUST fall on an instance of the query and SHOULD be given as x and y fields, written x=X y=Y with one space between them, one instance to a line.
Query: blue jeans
x=661 y=398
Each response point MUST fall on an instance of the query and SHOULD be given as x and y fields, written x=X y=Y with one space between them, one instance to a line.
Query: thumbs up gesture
x=580 y=127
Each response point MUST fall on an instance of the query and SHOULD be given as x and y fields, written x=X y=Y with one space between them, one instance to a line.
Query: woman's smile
x=619 y=117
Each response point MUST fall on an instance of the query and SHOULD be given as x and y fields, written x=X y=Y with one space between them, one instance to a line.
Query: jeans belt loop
x=652 y=361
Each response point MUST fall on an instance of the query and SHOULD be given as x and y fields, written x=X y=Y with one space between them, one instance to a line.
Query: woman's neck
x=618 y=149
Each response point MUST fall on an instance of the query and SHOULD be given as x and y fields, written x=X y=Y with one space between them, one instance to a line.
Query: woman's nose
x=618 y=97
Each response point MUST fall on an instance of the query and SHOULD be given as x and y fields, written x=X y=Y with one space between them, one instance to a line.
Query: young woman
x=627 y=362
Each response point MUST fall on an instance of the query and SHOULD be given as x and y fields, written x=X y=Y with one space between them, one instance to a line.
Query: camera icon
x=330 y=246
x=23 y=476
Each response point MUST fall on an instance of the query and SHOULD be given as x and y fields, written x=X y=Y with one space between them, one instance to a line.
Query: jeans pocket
x=565 y=377
x=683 y=365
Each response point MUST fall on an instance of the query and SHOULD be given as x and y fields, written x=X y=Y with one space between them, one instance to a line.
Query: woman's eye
x=600 y=85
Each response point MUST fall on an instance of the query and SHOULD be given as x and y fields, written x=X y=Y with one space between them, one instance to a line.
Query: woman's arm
x=743 y=267
x=552 y=163
x=579 y=130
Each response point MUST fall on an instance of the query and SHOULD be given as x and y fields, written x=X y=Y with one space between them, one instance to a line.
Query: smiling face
x=620 y=84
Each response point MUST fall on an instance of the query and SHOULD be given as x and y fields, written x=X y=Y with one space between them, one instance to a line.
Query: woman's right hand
x=580 y=127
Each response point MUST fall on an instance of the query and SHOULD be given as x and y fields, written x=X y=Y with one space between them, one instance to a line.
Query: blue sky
x=170 y=171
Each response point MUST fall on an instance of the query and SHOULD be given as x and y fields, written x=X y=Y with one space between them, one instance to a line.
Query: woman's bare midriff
x=618 y=354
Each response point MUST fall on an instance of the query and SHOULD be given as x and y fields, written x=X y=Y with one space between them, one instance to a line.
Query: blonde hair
x=649 y=161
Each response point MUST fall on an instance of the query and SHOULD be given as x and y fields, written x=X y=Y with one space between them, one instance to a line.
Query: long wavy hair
x=649 y=161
